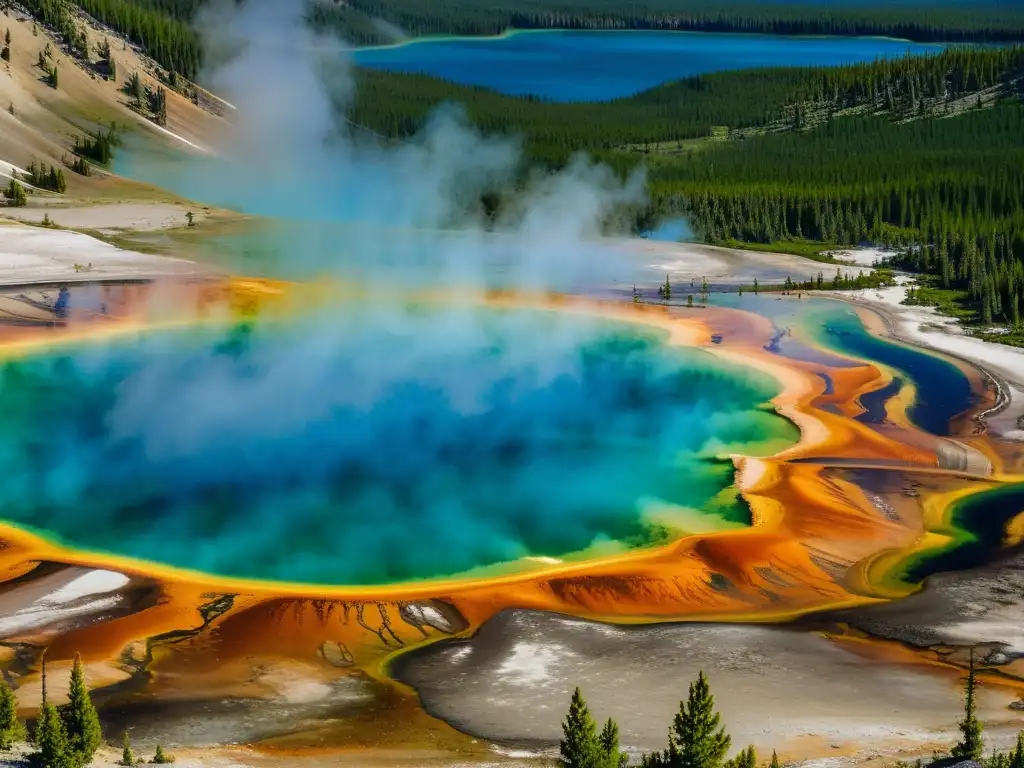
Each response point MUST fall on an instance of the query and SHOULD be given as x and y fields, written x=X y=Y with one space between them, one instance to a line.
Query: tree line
x=398 y=105
x=949 y=194
x=950 y=22
x=697 y=738
x=162 y=29
x=46 y=177
x=172 y=43
x=67 y=736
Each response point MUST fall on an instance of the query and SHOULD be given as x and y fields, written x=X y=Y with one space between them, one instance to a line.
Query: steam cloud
x=294 y=156
x=463 y=437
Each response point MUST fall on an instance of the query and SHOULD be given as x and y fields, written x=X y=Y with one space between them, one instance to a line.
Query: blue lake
x=599 y=66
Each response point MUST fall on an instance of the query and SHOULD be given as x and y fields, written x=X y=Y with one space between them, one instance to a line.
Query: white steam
x=381 y=441
x=295 y=156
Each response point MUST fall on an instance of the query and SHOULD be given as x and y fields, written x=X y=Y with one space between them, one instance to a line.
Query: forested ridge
x=162 y=27
x=952 y=190
x=898 y=152
x=171 y=42
x=773 y=98
x=949 y=21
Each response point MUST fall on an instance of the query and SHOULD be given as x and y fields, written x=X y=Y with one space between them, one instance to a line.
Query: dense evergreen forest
x=946 y=21
x=952 y=190
x=897 y=152
x=770 y=99
x=171 y=42
x=162 y=28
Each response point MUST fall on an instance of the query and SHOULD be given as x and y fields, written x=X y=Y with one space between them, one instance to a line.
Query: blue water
x=366 y=448
x=672 y=231
x=599 y=66
x=943 y=392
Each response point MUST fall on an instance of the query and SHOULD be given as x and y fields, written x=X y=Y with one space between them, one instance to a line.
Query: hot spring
x=363 y=447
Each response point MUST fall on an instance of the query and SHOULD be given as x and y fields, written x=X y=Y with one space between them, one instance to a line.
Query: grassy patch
x=808 y=249
x=947 y=301
x=958 y=305
x=1015 y=338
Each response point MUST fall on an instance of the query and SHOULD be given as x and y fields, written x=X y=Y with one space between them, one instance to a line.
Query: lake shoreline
x=516 y=32
x=544 y=63
x=924 y=328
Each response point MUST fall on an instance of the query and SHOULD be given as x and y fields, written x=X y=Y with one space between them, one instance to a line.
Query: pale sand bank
x=235 y=757
x=30 y=255
x=864 y=257
x=733 y=266
x=776 y=688
x=144 y=217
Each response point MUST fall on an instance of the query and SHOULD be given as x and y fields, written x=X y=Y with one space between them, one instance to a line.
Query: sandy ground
x=721 y=266
x=981 y=606
x=242 y=758
x=43 y=116
x=794 y=691
x=142 y=216
x=32 y=255
x=863 y=257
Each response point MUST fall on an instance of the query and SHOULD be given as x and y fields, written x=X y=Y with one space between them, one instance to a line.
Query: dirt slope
x=39 y=122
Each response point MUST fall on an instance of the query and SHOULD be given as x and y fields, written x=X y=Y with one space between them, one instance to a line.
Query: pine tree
x=775 y=760
x=580 y=747
x=971 y=745
x=609 y=741
x=127 y=756
x=10 y=727
x=15 y=193
x=161 y=757
x=1017 y=753
x=134 y=87
x=747 y=758
x=667 y=291
x=52 y=750
x=696 y=740
x=80 y=718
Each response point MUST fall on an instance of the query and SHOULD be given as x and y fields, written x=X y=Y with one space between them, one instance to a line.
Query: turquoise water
x=672 y=231
x=943 y=392
x=599 y=66
x=375 y=447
